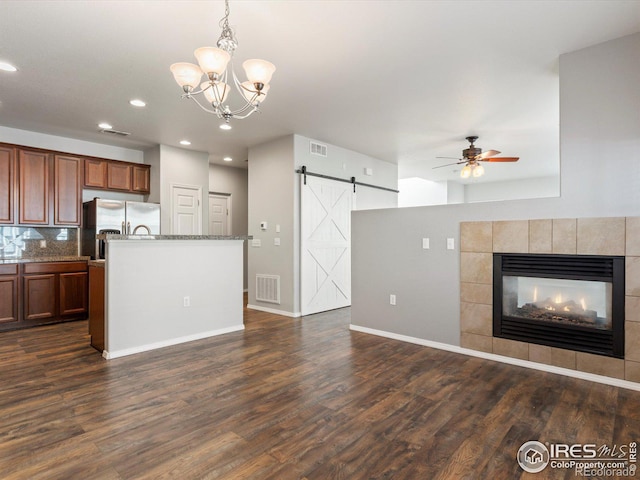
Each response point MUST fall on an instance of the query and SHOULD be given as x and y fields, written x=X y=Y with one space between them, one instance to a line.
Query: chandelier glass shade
x=211 y=94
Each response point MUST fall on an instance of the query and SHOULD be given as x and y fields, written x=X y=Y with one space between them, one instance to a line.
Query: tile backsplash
x=34 y=242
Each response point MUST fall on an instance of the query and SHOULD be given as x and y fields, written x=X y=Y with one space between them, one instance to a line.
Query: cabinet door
x=119 y=176
x=67 y=191
x=8 y=298
x=33 y=188
x=141 y=180
x=39 y=296
x=73 y=293
x=7 y=182
x=95 y=173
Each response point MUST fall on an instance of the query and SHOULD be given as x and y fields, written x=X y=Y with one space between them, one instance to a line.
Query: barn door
x=325 y=242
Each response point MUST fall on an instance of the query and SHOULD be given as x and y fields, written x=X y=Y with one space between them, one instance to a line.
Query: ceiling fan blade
x=488 y=153
x=452 y=158
x=449 y=164
x=500 y=159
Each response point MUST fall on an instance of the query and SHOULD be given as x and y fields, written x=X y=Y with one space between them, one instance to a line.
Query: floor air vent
x=318 y=149
x=268 y=288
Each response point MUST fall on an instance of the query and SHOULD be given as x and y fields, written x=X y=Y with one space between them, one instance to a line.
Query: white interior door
x=219 y=214
x=186 y=210
x=325 y=242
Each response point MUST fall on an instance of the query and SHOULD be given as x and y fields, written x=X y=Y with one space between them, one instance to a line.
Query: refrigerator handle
x=128 y=228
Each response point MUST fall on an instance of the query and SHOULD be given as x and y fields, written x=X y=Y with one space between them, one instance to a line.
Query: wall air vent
x=115 y=132
x=318 y=149
x=268 y=288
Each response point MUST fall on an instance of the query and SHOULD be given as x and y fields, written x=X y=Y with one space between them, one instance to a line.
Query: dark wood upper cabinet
x=33 y=187
x=95 y=173
x=7 y=183
x=67 y=191
x=119 y=176
x=141 y=178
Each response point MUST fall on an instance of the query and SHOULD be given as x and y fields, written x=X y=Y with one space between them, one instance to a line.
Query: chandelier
x=211 y=94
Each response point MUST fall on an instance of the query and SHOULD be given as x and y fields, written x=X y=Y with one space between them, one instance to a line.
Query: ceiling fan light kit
x=473 y=155
x=212 y=64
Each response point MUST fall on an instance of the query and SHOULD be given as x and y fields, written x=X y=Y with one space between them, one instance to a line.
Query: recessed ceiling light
x=225 y=126
x=105 y=125
x=185 y=142
x=227 y=159
x=7 y=67
x=137 y=103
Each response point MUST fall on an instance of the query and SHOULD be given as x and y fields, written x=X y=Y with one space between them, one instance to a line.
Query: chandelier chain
x=227 y=40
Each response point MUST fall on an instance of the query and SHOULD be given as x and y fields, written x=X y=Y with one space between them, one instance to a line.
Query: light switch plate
x=425 y=243
x=276 y=241
x=451 y=244
x=256 y=242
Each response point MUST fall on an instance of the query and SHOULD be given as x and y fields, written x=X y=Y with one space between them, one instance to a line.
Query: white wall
x=600 y=177
x=68 y=145
x=177 y=166
x=540 y=187
x=274 y=197
x=145 y=306
x=234 y=182
x=271 y=199
x=417 y=191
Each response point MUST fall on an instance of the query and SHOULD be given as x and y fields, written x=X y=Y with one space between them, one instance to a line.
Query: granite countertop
x=112 y=236
x=57 y=258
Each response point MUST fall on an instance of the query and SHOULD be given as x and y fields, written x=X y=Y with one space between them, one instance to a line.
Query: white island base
x=161 y=291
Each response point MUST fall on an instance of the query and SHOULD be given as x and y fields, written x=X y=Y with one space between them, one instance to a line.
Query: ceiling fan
x=472 y=156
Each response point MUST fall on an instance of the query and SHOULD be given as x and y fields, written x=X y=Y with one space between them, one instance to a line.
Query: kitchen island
x=162 y=290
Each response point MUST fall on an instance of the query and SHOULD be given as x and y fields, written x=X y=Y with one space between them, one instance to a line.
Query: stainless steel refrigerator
x=116 y=216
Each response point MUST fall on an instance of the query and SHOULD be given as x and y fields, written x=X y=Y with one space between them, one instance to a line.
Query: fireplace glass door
x=574 y=302
x=569 y=302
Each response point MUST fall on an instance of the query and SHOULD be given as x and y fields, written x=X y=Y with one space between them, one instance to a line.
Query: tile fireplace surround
x=581 y=236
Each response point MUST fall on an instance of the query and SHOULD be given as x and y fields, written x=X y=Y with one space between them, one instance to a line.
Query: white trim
x=273 y=310
x=168 y=343
x=616 y=382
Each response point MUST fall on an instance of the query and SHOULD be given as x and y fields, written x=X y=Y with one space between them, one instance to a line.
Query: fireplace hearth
x=567 y=301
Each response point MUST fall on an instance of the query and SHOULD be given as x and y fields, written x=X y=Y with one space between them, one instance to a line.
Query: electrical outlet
x=276 y=241
x=451 y=244
x=186 y=301
x=392 y=299
x=43 y=244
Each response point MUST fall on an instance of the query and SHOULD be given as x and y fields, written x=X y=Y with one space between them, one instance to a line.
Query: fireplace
x=574 y=302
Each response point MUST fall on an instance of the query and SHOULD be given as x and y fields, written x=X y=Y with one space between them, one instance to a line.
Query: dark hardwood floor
x=285 y=399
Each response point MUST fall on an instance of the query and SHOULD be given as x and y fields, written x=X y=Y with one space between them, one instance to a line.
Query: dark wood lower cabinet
x=39 y=293
x=73 y=293
x=39 y=297
x=9 y=291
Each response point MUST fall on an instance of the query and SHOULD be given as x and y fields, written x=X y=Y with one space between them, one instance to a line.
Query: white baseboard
x=616 y=382
x=167 y=343
x=273 y=310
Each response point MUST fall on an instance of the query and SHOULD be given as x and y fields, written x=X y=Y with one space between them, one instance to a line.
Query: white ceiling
x=402 y=81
